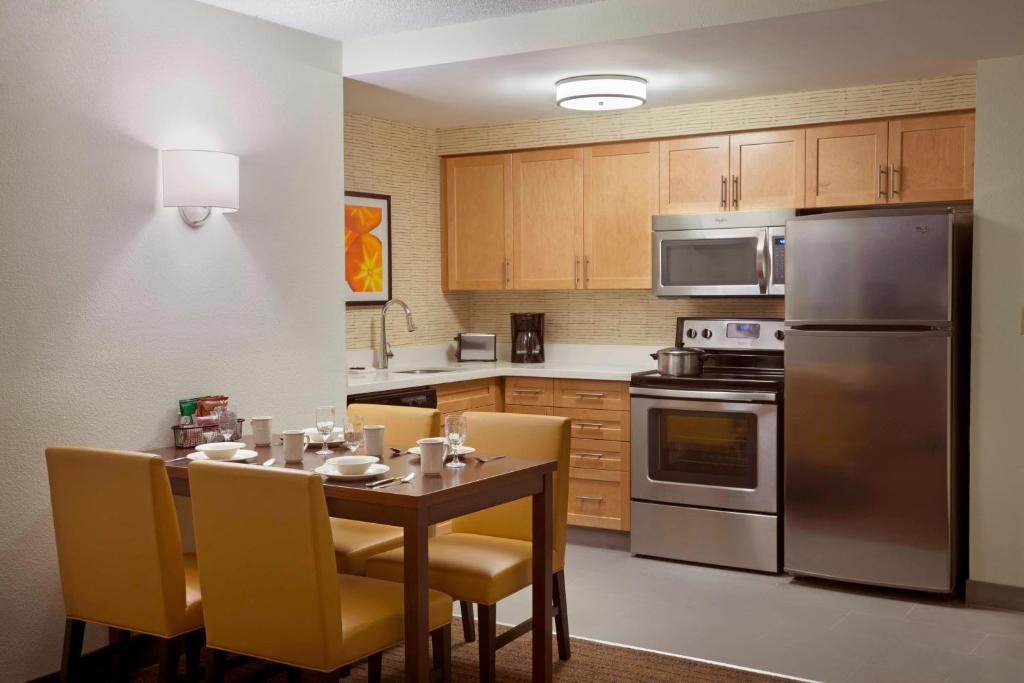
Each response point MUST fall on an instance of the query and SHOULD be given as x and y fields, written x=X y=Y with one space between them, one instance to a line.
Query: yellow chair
x=270 y=585
x=120 y=557
x=354 y=541
x=488 y=555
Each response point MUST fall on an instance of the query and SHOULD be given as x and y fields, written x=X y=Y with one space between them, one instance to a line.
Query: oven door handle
x=728 y=396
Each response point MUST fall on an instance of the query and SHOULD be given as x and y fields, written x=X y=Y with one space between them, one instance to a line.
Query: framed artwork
x=367 y=249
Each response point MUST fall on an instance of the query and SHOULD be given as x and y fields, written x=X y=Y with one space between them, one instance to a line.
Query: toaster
x=476 y=346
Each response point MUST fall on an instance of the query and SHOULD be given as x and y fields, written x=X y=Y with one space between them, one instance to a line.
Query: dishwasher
x=415 y=397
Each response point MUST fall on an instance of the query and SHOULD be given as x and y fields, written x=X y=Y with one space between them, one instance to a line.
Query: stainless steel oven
x=715 y=449
x=725 y=254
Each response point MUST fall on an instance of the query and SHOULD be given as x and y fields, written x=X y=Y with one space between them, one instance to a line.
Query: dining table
x=416 y=506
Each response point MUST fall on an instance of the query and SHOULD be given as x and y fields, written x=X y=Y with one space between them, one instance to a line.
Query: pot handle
x=654 y=356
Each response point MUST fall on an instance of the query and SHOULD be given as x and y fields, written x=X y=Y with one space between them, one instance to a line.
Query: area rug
x=591 y=662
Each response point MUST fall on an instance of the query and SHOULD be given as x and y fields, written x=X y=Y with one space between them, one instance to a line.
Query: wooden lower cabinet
x=529 y=410
x=599 y=498
x=477 y=394
x=591 y=394
x=529 y=391
x=612 y=425
x=595 y=454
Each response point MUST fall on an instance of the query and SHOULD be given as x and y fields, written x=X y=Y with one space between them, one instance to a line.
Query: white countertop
x=569 y=361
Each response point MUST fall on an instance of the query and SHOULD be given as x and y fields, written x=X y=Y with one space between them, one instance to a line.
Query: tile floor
x=775 y=623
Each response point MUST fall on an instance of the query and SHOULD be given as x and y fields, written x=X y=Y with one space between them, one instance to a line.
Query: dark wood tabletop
x=414 y=506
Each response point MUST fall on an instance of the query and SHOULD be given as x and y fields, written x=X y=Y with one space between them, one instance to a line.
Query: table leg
x=542 y=535
x=417 y=631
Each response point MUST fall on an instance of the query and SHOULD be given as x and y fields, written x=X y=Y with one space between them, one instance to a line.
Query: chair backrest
x=402 y=425
x=528 y=436
x=118 y=543
x=266 y=563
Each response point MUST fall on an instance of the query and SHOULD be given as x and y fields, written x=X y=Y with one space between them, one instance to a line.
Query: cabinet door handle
x=586 y=271
x=735 y=192
x=596 y=499
x=893 y=170
x=576 y=272
x=590 y=425
x=723 y=192
x=591 y=394
x=587 y=454
x=506 y=272
x=879 y=188
x=527 y=391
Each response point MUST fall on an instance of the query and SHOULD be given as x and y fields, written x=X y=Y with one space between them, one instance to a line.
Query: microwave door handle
x=762 y=260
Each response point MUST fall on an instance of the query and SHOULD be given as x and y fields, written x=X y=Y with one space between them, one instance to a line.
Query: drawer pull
x=527 y=391
x=586 y=454
x=591 y=394
x=596 y=499
x=590 y=425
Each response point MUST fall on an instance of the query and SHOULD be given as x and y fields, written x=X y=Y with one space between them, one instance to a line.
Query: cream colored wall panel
x=401 y=160
x=793 y=109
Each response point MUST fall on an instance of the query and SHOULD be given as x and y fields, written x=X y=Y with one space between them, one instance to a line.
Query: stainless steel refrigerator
x=875 y=396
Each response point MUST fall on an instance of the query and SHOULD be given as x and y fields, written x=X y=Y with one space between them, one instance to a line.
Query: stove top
x=740 y=355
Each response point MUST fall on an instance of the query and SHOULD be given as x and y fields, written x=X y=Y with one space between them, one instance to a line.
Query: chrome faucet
x=383 y=351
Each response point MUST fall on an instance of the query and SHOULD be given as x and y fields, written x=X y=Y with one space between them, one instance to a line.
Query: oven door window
x=709 y=262
x=703 y=448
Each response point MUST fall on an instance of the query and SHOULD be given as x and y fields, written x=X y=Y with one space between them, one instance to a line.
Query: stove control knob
x=691 y=333
x=780 y=335
x=706 y=333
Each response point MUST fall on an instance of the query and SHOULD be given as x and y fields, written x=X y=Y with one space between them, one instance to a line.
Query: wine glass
x=226 y=423
x=325 y=419
x=353 y=432
x=456 y=429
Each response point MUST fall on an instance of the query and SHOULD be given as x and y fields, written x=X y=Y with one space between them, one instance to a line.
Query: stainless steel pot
x=677 y=362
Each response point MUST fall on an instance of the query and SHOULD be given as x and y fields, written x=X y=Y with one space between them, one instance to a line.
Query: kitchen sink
x=423 y=371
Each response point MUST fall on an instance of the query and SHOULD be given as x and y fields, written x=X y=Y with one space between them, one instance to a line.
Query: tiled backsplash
x=403 y=160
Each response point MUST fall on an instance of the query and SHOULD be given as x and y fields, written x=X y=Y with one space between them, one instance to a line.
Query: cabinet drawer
x=529 y=410
x=599 y=455
x=528 y=391
x=474 y=394
x=593 y=394
x=596 y=499
x=612 y=425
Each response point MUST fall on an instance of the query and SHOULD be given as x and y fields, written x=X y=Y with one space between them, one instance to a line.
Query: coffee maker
x=527 y=338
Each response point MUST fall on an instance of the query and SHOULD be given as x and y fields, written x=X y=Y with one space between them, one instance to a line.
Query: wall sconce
x=197 y=181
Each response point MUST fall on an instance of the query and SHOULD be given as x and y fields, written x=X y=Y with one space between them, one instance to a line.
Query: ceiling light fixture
x=601 y=92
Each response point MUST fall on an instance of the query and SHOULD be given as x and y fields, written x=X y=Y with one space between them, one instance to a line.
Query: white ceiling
x=865 y=44
x=345 y=19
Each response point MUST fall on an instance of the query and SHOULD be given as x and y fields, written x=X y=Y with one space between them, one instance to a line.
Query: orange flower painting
x=367 y=248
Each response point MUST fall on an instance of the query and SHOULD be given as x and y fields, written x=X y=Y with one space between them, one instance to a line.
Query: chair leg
x=74 y=632
x=215 y=666
x=561 y=616
x=120 y=656
x=373 y=667
x=441 y=643
x=193 y=646
x=488 y=633
x=293 y=674
x=168 y=651
x=468 y=628
x=345 y=671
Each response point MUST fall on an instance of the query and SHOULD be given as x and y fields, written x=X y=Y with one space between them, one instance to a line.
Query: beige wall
x=997 y=364
x=401 y=160
x=112 y=307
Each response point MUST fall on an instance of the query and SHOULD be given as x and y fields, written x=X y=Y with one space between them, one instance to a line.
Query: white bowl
x=221 y=450
x=352 y=464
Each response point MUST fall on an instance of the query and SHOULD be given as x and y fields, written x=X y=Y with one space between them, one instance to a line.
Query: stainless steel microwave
x=740 y=253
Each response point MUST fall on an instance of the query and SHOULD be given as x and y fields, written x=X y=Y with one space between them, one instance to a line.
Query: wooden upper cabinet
x=620 y=196
x=847 y=164
x=767 y=170
x=694 y=174
x=478 y=221
x=547 y=233
x=932 y=158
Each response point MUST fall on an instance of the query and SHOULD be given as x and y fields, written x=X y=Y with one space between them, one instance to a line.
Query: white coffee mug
x=295 y=442
x=373 y=439
x=432 y=454
x=261 y=430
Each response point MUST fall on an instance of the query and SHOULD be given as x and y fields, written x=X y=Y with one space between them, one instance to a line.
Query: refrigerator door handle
x=762 y=260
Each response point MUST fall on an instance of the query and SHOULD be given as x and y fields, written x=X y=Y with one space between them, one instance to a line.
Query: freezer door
x=882 y=269
x=867 y=457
